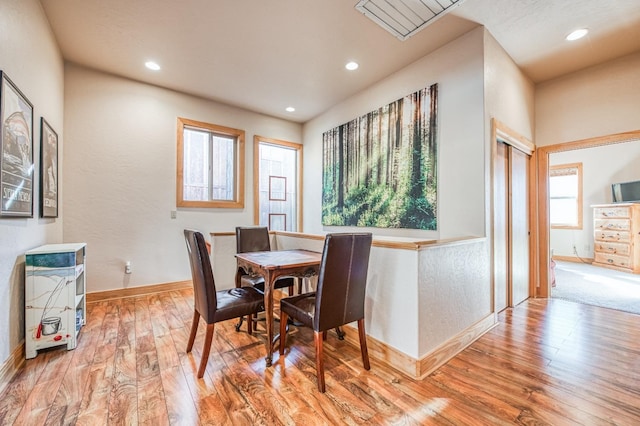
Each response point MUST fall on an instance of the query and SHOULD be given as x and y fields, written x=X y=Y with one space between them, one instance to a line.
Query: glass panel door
x=278 y=184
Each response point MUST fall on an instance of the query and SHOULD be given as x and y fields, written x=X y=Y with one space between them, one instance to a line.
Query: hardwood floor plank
x=128 y=310
x=94 y=408
x=546 y=395
x=253 y=389
x=123 y=398
x=211 y=411
x=66 y=405
x=171 y=313
x=143 y=316
x=18 y=390
x=151 y=403
x=156 y=312
x=184 y=305
x=458 y=383
x=180 y=405
x=301 y=354
x=94 y=404
x=38 y=405
x=548 y=362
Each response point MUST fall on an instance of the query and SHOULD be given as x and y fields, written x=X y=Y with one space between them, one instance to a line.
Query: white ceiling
x=265 y=55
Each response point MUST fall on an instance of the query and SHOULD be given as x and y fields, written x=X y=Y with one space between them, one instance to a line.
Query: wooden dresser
x=616 y=239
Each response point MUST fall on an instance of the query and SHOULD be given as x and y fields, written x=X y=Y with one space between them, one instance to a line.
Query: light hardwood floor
x=548 y=362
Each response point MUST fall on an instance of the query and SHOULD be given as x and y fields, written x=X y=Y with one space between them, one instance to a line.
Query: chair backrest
x=204 y=287
x=342 y=280
x=252 y=238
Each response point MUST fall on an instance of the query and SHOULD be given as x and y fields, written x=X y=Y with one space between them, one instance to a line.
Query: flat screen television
x=626 y=192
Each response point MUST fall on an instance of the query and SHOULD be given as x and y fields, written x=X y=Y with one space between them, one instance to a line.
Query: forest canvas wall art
x=380 y=169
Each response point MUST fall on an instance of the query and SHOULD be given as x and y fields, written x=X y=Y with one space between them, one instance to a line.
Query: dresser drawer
x=612 y=248
x=613 y=259
x=604 y=212
x=613 y=236
x=613 y=224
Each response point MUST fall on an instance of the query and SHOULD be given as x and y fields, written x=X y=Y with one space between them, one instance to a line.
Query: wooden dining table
x=272 y=265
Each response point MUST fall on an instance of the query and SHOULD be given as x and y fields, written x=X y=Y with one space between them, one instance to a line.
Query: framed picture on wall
x=16 y=151
x=48 y=170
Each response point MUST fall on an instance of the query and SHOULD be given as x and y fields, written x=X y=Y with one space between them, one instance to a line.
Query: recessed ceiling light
x=152 y=65
x=577 y=34
x=290 y=109
x=351 y=66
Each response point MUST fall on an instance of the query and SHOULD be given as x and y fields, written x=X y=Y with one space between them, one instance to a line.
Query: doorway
x=572 y=245
x=543 y=289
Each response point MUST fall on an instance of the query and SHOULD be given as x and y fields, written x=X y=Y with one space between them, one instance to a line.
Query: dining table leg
x=268 y=311
x=238 y=280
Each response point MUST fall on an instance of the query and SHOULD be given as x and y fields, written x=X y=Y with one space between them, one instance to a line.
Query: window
x=210 y=165
x=565 y=196
x=277 y=180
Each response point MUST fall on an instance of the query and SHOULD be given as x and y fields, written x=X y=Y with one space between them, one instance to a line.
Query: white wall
x=601 y=166
x=447 y=276
x=596 y=101
x=458 y=70
x=121 y=176
x=454 y=291
x=30 y=57
x=509 y=94
x=593 y=102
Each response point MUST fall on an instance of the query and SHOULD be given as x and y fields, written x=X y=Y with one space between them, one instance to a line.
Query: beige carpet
x=592 y=285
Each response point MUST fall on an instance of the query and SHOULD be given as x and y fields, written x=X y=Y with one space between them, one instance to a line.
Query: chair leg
x=205 y=350
x=249 y=323
x=363 y=344
x=340 y=333
x=290 y=290
x=283 y=331
x=317 y=337
x=324 y=335
x=239 y=323
x=194 y=329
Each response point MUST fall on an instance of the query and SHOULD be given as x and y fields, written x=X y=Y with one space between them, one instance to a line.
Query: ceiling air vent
x=404 y=18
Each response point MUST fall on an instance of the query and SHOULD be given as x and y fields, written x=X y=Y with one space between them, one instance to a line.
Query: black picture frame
x=48 y=170
x=16 y=151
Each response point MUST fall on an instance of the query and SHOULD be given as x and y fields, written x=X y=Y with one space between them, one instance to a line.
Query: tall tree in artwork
x=416 y=147
x=380 y=169
x=341 y=167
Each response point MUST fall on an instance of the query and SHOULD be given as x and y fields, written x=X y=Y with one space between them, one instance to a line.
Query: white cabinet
x=55 y=304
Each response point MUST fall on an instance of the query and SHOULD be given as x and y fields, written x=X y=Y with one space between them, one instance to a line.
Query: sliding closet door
x=511 y=226
x=501 y=227
x=519 y=225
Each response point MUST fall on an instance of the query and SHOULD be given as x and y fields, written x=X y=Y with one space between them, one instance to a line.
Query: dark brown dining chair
x=256 y=238
x=214 y=306
x=339 y=298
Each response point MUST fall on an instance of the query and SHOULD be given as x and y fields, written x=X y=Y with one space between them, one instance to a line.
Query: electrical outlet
x=174 y=214
x=127 y=267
